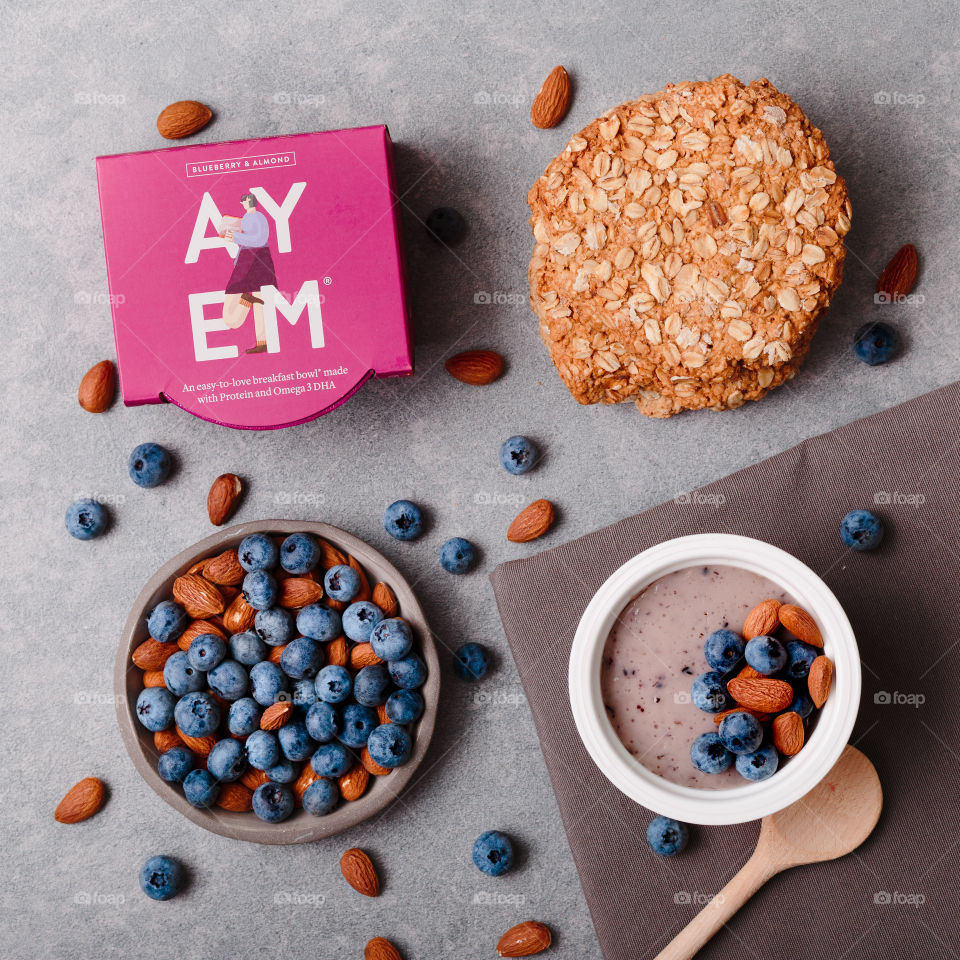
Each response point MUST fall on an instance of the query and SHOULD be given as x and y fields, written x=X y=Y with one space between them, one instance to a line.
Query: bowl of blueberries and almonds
x=277 y=682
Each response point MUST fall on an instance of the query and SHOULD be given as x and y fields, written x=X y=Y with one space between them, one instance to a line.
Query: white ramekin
x=752 y=800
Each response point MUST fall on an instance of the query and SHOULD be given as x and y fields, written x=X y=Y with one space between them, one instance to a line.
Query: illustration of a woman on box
x=252 y=270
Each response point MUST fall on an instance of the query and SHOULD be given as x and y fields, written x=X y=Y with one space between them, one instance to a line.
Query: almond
x=476 y=367
x=762 y=620
x=762 y=717
x=276 y=715
x=224 y=570
x=297 y=592
x=182 y=119
x=307 y=776
x=386 y=599
x=358 y=870
x=197 y=629
x=330 y=556
x=198 y=596
x=362 y=655
x=364 y=593
x=819 y=680
x=224 y=498
x=276 y=653
x=152 y=654
x=371 y=765
x=165 y=740
x=800 y=624
x=525 y=939
x=900 y=274
x=254 y=778
x=199 y=745
x=239 y=616
x=337 y=652
x=81 y=801
x=788 y=733
x=354 y=782
x=748 y=673
x=382 y=713
x=550 y=105
x=153 y=678
x=761 y=693
x=236 y=797
x=199 y=565
x=97 y=387
x=532 y=522
x=380 y=948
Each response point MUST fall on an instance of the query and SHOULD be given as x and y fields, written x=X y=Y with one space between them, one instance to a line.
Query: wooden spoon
x=833 y=819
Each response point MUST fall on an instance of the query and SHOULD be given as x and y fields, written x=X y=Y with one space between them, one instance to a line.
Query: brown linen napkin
x=897 y=895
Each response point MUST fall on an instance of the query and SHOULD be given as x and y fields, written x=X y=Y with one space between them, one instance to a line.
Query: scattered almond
x=532 y=522
x=81 y=801
x=788 y=733
x=386 y=600
x=761 y=693
x=276 y=715
x=800 y=624
x=380 y=948
x=152 y=654
x=182 y=119
x=525 y=939
x=254 y=778
x=235 y=797
x=223 y=498
x=296 y=592
x=762 y=717
x=224 y=569
x=819 y=680
x=337 y=652
x=371 y=765
x=362 y=655
x=165 y=740
x=198 y=596
x=97 y=387
x=153 y=678
x=475 y=367
x=762 y=620
x=197 y=629
x=551 y=104
x=358 y=870
x=354 y=782
x=199 y=745
x=900 y=274
x=239 y=616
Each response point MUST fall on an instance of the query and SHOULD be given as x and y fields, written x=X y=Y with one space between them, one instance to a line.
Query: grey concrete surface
x=453 y=81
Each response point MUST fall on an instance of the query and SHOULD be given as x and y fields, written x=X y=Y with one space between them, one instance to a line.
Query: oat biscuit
x=686 y=244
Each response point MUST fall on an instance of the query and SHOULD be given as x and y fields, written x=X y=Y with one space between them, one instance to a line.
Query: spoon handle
x=741 y=887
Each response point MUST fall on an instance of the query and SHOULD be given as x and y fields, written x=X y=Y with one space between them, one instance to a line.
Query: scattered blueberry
x=760 y=764
x=295 y=741
x=86 y=519
x=149 y=465
x=403 y=520
x=323 y=722
x=197 y=714
x=244 y=717
x=331 y=760
x=260 y=589
x=876 y=343
x=257 y=552
x=765 y=654
x=266 y=682
x=708 y=692
x=861 y=530
x=321 y=797
x=722 y=649
x=229 y=680
x=457 y=555
x=272 y=802
x=709 y=755
x=446 y=224
x=263 y=749
x=161 y=878
x=206 y=651
x=301 y=658
x=404 y=706
x=518 y=455
x=167 y=621
x=740 y=732
x=389 y=745
x=155 y=707
x=201 y=789
x=299 y=553
x=408 y=673
x=493 y=853
x=248 y=648
x=371 y=685
x=273 y=626
x=180 y=678
x=319 y=622
x=800 y=657
x=470 y=662
x=358 y=721
x=667 y=837
x=391 y=639
x=334 y=684
x=227 y=760
x=359 y=619
x=342 y=583
x=175 y=764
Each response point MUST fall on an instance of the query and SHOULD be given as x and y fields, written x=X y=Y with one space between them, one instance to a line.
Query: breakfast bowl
x=300 y=826
x=744 y=800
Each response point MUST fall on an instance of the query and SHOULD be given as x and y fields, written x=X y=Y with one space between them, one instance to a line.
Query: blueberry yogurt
x=655 y=652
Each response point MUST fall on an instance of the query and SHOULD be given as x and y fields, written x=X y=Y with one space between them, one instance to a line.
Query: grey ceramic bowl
x=301 y=827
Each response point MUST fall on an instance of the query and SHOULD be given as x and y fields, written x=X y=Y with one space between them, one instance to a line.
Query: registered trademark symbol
x=327 y=281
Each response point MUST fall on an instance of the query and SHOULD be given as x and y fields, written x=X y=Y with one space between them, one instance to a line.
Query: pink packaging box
x=256 y=283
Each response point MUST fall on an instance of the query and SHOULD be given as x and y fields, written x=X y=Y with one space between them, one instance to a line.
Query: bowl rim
x=750 y=801
x=301 y=827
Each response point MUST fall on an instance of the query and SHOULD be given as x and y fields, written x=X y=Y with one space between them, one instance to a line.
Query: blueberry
x=800 y=656
x=740 y=732
x=389 y=745
x=299 y=553
x=342 y=582
x=323 y=722
x=263 y=749
x=167 y=621
x=403 y=520
x=206 y=651
x=446 y=224
x=180 y=678
x=201 y=789
x=875 y=343
x=331 y=760
x=722 y=649
x=709 y=755
x=301 y=658
x=708 y=692
x=760 y=764
x=273 y=802
x=470 y=662
x=457 y=555
x=321 y=797
x=319 y=623
x=273 y=626
x=175 y=764
x=229 y=680
x=518 y=455
x=358 y=721
x=286 y=771
x=391 y=639
x=861 y=530
x=86 y=519
x=802 y=704
x=493 y=853
x=295 y=741
x=765 y=654
x=334 y=684
x=247 y=648
x=161 y=878
x=155 y=707
x=266 y=682
x=408 y=673
x=260 y=589
x=404 y=706
x=257 y=552
x=667 y=837
x=197 y=714
x=149 y=465
x=227 y=760
x=244 y=717
x=359 y=619
x=371 y=685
